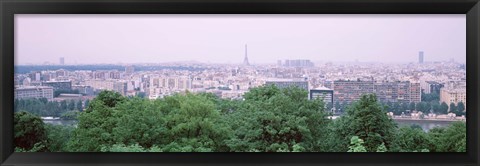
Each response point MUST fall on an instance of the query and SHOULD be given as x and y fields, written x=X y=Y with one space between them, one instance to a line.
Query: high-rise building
x=420 y=57
x=62 y=61
x=298 y=63
x=113 y=85
x=245 y=60
x=323 y=93
x=350 y=91
x=34 y=92
x=114 y=74
x=35 y=76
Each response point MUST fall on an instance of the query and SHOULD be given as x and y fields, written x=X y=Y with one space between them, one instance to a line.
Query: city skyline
x=95 y=39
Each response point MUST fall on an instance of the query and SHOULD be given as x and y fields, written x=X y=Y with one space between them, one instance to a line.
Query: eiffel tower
x=245 y=61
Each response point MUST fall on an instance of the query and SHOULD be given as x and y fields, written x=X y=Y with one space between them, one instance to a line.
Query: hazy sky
x=89 y=39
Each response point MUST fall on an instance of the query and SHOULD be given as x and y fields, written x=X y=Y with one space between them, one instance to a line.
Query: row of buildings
x=349 y=91
x=344 y=91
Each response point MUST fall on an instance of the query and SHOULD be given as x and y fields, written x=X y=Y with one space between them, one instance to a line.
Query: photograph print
x=240 y=83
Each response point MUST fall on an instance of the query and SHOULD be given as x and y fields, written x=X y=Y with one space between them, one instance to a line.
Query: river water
x=425 y=124
x=61 y=122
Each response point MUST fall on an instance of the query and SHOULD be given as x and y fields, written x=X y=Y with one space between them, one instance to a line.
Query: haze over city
x=94 y=39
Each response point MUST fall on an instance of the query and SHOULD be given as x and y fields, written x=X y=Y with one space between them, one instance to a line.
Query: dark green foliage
x=70 y=115
x=194 y=121
x=79 y=106
x=39 y=107
x=96 y=124
x=412 y=106
x=453 y=108
x=423 y=107
x=63 y=105
x=443 y=108
x=138 y=121
x=430 y=97
x=460 y=109
x=110 y=98
x=87 y=102
x=416 y=126
x=175 y=122
x=141 y=95
x=435 y=136
x=368 y=120
x=71 y=105
x=450 y=139
x=131 y=148
x=272 y=119
x=410 y=139
x=58 y=136
x=29 y=132
x=436 y=107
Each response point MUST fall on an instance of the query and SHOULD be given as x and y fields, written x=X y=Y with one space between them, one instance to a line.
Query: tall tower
x=420 y=57
x=245 y=61
x=62 y=61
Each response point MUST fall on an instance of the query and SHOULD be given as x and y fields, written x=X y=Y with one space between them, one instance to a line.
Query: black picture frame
x=9 y=8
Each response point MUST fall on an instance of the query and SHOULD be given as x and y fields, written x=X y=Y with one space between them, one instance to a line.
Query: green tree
x=443 y=108
x=194 y=124
x=58 y=137
x=412 y=106
x=110 y=98
x=366 y=119
x=430 y=97
x=404 y=106
x=29 y=132
x=63 y=105
x=95 y=125
x=337 y=105
x=453 y=108
x=71 y=105
x=436 y=107
x=461 y=108
x=87 y=102
x=141 y=95
x=397 y=108
x=70 y=115
x=422 y=106
x=139 y=121
x=449 y=139
x=382 y=148
x=409 y=139
x=356 y=145
x=79 y=106
x=273 y=119
x=130 y=148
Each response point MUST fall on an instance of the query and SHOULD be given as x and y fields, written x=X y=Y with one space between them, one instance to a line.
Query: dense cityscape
x=336 y=83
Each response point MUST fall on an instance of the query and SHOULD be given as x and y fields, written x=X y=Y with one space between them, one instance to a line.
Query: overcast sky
x=91 y=39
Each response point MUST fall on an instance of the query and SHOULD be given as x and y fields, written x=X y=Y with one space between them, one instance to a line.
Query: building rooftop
x=33 y=87
x=285 y=80
x=69 y=95
x=321 y=88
